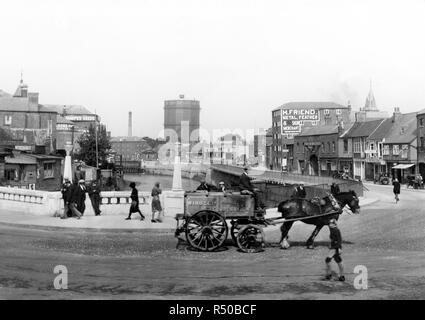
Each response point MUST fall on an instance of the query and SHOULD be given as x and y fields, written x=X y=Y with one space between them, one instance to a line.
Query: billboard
x=293 y=119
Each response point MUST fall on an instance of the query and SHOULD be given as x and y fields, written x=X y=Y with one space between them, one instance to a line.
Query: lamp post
x=177 y=173
x=67 y=171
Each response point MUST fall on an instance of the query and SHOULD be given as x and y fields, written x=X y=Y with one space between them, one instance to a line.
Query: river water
x=145 y=182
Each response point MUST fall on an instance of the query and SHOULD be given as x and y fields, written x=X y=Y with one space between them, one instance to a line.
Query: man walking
x=396 y=189
x=94 y=194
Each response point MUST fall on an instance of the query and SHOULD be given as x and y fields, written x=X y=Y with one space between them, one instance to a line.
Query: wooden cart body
x=228 y=205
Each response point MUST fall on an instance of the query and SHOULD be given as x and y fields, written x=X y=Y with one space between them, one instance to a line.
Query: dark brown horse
x=302 y=208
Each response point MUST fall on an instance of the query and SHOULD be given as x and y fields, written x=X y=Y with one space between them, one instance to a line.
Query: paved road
x=387 y=238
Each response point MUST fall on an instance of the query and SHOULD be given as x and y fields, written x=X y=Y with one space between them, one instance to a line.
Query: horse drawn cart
x=208 y=216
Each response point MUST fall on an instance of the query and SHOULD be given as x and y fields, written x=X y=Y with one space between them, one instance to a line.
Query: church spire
x=370 y=104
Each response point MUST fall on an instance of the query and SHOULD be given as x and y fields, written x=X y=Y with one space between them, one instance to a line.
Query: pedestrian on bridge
x=134 y=207
x=156 y=203
x=94 y=194
x=396 y=189
x=66 y=196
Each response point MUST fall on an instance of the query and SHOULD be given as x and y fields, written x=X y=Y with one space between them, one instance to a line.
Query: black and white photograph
x=212 y=154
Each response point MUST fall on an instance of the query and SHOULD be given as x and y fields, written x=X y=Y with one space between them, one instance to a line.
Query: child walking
x=335 y=252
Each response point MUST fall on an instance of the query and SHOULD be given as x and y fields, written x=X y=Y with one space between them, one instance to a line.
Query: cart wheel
x=206 y=230
x=251 y=239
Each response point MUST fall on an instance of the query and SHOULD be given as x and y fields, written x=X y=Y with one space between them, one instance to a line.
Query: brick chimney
x=33 y=101
x=130 y=124
x=396 y=114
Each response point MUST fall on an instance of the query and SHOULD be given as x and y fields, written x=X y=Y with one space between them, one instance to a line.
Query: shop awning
x=403 y=166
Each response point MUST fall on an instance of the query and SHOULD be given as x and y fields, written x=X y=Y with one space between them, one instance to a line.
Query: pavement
x=110 y=222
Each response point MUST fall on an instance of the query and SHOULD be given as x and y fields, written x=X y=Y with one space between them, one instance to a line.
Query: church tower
x=22 y=90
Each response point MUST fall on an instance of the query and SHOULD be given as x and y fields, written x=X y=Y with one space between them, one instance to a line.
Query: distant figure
x=94 y=194
x=78 y=199
x=335 y=251
x=156 y=203
x=66 y=196
x=335 y=189
x=203 y=186
x=222 y=187
x=299 y=191
x=396 y=190
x=134 y=207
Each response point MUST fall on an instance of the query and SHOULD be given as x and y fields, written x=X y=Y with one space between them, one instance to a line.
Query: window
x=326 y=112
x=386 y=151
x=48 y=170
x=396 y=150
x=338 y=111
x=357 y=147
x=10 y=174
x=345 y=145
x=7 y=120
x=422 y=143
x=404 y=151
x=421 y=122
x=329 y=147
x=333 y=146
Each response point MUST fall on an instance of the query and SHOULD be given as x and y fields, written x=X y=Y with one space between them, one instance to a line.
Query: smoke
x=345 y=93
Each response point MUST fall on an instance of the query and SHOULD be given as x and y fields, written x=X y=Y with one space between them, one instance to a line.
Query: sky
x=240 y=59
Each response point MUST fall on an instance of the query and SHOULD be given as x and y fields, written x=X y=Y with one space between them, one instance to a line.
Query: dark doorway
x=422 y=169
x=314 y=163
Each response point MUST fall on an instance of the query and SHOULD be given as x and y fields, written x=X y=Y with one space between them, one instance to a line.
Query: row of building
x=42 y=128
x=326 y=138
x=33 y=138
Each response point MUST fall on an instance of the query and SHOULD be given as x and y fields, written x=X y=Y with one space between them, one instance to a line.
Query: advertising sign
x=293 y=119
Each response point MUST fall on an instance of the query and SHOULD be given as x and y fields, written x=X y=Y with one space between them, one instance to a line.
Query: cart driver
x=247 y=188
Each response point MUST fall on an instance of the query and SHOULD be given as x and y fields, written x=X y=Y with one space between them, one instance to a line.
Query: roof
x=18 y=104
x=363 y=129
x=403 y=130
x=318 y=130
x=421 y=112
x=382 y=131
x=311 y=105
x=69 y=109
x=5 y=94
x=28 y=158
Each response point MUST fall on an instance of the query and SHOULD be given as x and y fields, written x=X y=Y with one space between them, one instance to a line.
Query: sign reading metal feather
x=293 y=119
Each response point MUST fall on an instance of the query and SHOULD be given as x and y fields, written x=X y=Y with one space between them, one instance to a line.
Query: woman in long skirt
x=134 y=207
x=156 y=203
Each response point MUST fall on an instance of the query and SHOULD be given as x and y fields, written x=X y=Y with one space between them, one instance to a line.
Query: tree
x=87 y=142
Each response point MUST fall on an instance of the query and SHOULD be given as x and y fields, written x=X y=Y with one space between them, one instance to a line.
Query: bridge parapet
x=112 y=202
x=231 y=174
